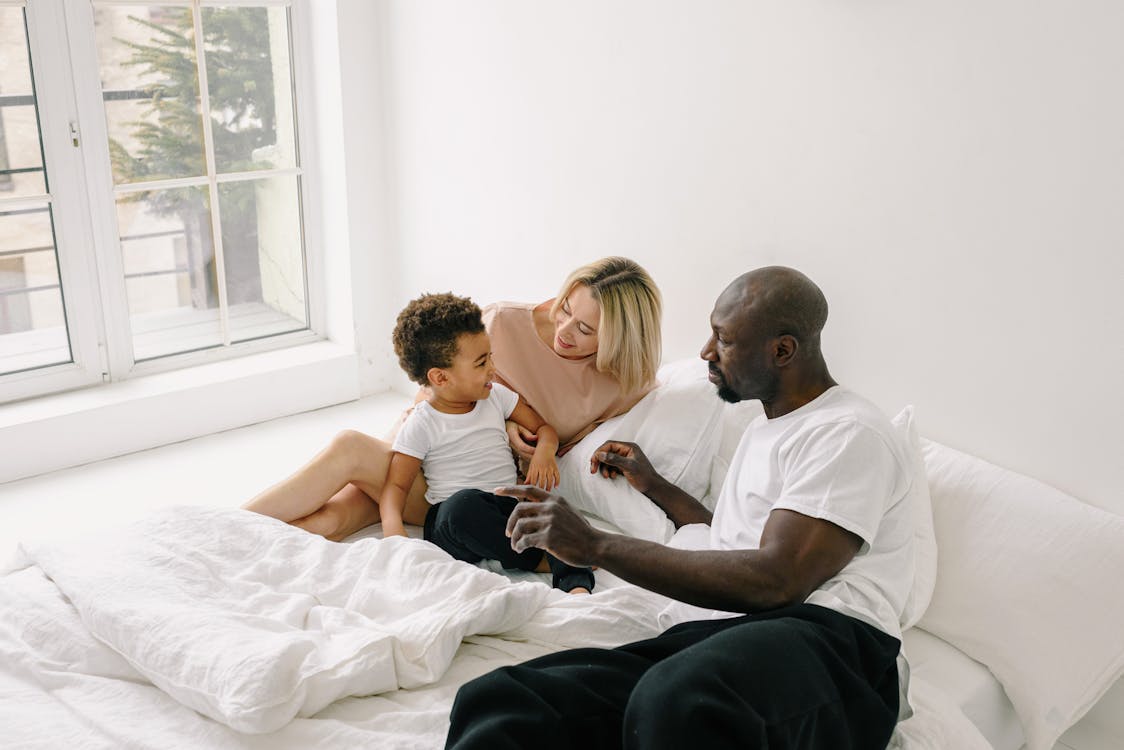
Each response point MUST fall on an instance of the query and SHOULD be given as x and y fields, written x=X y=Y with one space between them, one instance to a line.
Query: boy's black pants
x=471 y=525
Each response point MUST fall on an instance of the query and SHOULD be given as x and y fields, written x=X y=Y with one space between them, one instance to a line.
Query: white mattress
x=970 y=685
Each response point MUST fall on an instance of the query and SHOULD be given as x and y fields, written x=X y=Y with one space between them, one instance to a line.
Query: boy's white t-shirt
x=461 y=451
x=837 y=458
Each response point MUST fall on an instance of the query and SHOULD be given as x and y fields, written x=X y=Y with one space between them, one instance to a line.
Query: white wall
x=357 y=209
x=952 y=175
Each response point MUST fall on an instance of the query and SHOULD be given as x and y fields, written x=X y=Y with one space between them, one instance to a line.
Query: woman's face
x=576 y=324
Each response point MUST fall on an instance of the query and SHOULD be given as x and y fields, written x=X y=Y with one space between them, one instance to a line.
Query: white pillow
x=1028 y=583
x=924 y=541
x=732 y=425
x=676 y=427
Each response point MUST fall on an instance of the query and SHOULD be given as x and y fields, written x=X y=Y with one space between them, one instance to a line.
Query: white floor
x=221 y=470
x=224 y=470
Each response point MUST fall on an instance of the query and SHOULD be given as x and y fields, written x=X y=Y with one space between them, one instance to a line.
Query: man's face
x=739 y=354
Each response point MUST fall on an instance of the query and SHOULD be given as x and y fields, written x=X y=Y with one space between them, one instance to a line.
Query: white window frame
x=73 y=245
x=87 y=240
x=81 y=425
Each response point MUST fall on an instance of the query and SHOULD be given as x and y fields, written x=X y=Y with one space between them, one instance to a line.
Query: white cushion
x=1028 y=584
x=676 y=427
x=924 y=541
x=732 y=425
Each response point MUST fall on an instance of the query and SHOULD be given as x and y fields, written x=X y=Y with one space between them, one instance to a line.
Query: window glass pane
x=32 y=317
x=170 y=273
x=249 y=81
x=21 y=158
x=263 y=257
x=150 y=84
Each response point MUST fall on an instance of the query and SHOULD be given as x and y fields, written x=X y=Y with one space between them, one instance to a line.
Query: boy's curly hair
x=426 y=333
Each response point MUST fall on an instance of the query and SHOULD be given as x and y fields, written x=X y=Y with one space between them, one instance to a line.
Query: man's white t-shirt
x=461 y=451
x=837 y=458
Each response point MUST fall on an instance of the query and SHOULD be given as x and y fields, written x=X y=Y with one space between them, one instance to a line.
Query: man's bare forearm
x=680 y=507
x=797 y=555
x=729 y=580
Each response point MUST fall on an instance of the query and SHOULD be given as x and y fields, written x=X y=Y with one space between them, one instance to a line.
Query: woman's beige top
x=570 y=394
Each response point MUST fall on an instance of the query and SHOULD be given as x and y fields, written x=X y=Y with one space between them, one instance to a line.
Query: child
x=458 y=436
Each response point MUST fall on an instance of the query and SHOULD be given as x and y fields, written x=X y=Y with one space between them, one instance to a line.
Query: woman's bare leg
x=346 y=512
x=335 y=494
x=349 y=456
x=352 y=509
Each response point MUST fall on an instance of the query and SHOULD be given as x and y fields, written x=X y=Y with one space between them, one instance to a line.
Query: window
x=32 y=313
x=150 y=189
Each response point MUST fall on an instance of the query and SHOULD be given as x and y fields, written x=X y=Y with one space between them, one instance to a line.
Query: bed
x=211 y=628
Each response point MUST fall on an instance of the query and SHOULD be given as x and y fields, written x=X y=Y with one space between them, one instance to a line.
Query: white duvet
x=203 y=628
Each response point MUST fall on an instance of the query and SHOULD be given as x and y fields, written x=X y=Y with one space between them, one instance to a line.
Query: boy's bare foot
x=578 y=590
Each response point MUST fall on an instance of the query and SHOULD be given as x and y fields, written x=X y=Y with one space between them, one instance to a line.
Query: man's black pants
x=471 y=525
x=798 y=677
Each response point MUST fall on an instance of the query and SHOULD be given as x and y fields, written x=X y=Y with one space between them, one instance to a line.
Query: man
x=809 y=566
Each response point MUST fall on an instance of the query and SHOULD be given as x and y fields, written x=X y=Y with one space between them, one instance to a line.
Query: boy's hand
x=393 y=529
x=543 y=472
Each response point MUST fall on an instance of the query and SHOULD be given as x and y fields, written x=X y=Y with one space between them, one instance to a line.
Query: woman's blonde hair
x=629 y=337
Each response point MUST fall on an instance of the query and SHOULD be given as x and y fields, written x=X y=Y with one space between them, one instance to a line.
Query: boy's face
x=470 y=375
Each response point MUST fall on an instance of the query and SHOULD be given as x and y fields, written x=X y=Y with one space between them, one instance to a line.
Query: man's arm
x=797 y=555
x=617 y=458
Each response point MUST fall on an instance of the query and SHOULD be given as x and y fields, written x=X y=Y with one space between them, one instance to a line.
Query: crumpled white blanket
x=256 y=625
x=252 y=622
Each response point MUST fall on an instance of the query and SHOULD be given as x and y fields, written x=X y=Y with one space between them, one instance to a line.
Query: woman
x=588 y=354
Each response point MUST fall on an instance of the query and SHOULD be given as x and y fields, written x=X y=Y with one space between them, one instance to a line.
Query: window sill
x=70 y=429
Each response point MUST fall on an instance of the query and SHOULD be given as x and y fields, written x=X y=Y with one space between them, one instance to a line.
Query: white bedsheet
x=112 y=642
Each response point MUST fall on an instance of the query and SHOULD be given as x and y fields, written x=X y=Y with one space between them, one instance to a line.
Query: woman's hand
x=615 y=458
x=543 y=472
x=522 y=440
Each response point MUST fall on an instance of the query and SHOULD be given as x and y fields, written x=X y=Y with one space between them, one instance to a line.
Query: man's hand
x=547 y=522
x=616 y=458
x=522 y=440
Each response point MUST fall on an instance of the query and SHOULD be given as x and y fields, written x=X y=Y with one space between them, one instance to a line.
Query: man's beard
x=761 y=391
x=725 y=392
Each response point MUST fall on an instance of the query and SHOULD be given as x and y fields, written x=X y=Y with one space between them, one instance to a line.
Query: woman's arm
x=543 y=469
x=401 y=474
x=521 y=439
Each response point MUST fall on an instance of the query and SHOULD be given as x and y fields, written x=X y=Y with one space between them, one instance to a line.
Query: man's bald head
x=765 y=340
x=781 y=301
